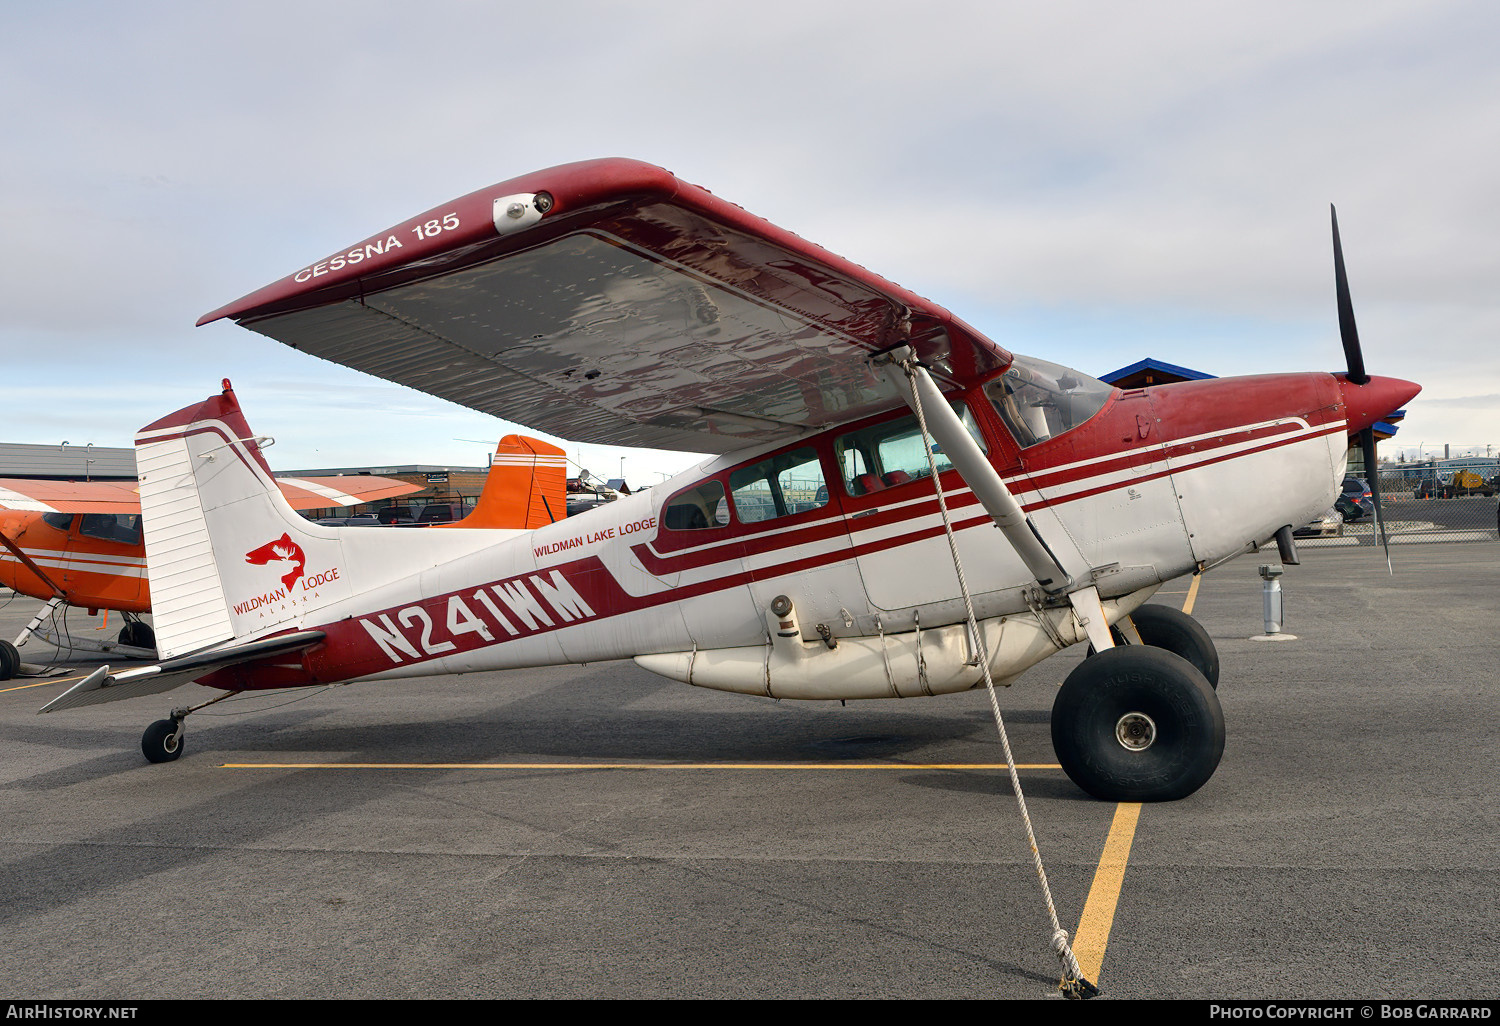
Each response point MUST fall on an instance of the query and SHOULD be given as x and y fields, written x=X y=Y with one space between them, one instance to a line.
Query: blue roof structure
x=1159 y=367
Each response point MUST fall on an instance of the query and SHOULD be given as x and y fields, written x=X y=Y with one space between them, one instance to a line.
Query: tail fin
x=227 y=556
x=526 y=487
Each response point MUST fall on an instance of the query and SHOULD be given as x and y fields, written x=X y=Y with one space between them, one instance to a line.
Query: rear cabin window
x=696 y=509
x=889 y=454
x=116 y=527
x=778 y=487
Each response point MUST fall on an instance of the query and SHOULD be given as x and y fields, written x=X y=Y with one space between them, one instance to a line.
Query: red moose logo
x=285 y=550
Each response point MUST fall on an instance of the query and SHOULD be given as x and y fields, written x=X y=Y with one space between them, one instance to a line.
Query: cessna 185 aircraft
x=898 y=506
x=80 y=545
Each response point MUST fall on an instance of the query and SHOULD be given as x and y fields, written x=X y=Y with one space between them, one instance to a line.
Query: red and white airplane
x=856 y=424
x=80 y=544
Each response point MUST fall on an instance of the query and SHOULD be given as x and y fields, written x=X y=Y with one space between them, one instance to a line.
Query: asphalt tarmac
x=611 y=834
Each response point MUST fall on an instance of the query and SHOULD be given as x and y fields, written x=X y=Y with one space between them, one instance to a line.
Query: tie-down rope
x=1073 y=984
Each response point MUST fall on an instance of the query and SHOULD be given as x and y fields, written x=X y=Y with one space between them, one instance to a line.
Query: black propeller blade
x=1355 y=360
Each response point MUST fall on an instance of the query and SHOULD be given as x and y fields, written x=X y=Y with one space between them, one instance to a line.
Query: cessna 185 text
x=858 y=428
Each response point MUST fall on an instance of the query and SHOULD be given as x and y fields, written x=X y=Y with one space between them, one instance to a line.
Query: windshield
x=1040 y=400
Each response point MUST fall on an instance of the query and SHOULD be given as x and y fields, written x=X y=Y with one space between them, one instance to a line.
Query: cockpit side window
x=61 y=521
x=1038 y=400
x=696 y=508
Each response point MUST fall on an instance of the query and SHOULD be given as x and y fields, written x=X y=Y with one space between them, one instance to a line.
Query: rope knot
x=1060 y=943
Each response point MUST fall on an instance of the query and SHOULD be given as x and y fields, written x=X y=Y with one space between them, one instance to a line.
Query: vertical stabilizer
x=526 y=487
x=228 y=558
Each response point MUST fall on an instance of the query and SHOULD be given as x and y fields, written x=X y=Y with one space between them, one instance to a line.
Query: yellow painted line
x=42 y=683
x=1109 y=878
x=1099 y=910
x=1192 y=595
x=641 y=765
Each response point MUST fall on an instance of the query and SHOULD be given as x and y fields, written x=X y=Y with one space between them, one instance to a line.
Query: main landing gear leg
x=162 y=741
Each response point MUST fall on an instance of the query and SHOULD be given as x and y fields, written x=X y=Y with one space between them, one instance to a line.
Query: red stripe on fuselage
x=359 y=653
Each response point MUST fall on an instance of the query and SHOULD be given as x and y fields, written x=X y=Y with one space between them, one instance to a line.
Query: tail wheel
x=162 y=741
x=1137 y=724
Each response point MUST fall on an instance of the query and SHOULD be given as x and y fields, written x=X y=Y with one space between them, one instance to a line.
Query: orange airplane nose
x=1374 y=400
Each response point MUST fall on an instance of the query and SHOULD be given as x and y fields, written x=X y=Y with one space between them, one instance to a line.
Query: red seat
x=896 y=477
x=864 y=484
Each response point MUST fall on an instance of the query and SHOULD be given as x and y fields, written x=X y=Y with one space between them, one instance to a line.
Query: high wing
x=123 y=497
x=607 y=301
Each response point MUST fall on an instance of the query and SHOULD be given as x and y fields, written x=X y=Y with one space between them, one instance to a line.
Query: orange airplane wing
x=69 y=496
x=122 y=497
x=344 y=490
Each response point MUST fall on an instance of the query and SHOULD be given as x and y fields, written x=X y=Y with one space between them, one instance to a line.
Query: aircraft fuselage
x=1158 y=483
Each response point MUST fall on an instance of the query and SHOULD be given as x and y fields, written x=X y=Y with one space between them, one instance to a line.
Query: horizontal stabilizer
x=103 y=686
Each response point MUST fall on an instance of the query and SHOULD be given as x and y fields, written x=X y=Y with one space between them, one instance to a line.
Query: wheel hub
x=1135 y=731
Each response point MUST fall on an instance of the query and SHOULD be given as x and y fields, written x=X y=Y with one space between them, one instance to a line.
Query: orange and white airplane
x=80 y=544
x=897 y=505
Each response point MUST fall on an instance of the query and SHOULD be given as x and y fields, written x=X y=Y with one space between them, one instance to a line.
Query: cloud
x=1092 y=183
x=1470 y=402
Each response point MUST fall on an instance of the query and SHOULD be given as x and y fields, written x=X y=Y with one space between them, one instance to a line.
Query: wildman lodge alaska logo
x=288 y=553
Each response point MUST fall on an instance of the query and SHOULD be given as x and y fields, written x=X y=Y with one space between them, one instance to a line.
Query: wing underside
x=638 y=311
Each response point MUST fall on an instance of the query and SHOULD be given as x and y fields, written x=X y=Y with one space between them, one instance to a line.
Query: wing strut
x=958 y=445
x=1008 y=515
x=15 y=550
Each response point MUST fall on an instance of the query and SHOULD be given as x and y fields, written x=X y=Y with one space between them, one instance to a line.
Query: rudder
x=228 y=558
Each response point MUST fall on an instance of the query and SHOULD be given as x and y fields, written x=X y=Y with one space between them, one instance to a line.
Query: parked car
x=579 y=503
x=1331 y=522
x=1356 y=501
x=444 y=512
x=1432 y=488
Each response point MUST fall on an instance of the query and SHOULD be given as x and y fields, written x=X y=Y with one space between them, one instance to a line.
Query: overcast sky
x=1092 y=183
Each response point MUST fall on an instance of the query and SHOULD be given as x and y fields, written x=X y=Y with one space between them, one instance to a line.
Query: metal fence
x=1415 y=514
